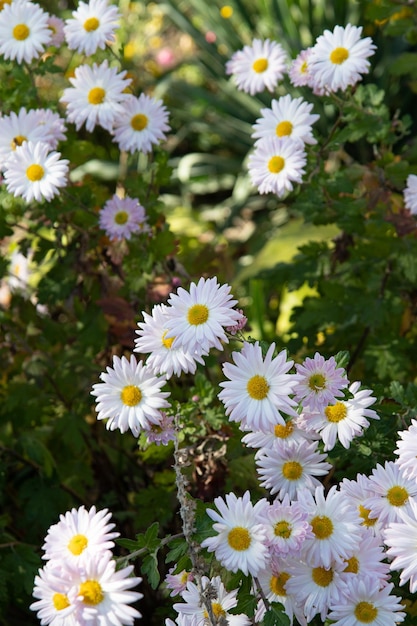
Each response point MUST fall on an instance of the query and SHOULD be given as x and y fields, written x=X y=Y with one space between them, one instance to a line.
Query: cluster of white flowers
x=79 y=583
x=98 y=96
x=337 y=60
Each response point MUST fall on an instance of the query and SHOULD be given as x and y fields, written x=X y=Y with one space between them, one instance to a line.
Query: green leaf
x=150 y=569
x=276 y=616
x=178 y=548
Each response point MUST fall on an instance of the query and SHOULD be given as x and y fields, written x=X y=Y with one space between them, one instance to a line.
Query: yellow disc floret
x=77 y=544
x=276 y=164
x=92 y=592
x=257 y=387
x=91 y=24
x=239 y=538
x=96 y=95
x=198 y=314
x=35 y=172
x=339 y=55
x=260 y=65
x=139 y=121
x=21 y=32
x=131 y=395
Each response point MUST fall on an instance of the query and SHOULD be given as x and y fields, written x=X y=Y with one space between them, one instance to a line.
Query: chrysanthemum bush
x=180 y=465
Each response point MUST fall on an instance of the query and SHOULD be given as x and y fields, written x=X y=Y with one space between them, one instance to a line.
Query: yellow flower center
x=352 y=565
x=322 y=526
x=218 y=610
x=322 y=576
x=226 y=12
x=139 y=121
x=364 y=514
x=397 y=495
x=336 y=412
x=91 y=24
x=21 y=32
x=77 y=544
x=92 y=592
x=184 y=577
x=260 y=65
x=292 y=470
x=131 y=395
x=121 y=217
x=276 y=164
x=283 y=529
x=35 y=172
x=304 y=67
x=198 y=314
x=239 y=538
x=167 y=341
x=365 y=612
x=257 y=387
x=277 y=583
x=60 y=601
x=317 y=382
x=339 y=56
x=96 y=95
x=17 y=141
x=284 y=129
x=283 y=431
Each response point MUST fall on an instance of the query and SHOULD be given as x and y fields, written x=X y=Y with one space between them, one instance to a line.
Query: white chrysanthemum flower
x=286 y=527
x=240 y=540
x=96 y=95
x=367 y=560
x=321 y=382
x=276 y=434
x=259 y=66
x=277 y=163
x=343 y=420
x=53 y=126
x=122 y=217
x=316 y=587
x=287 y=117
x=55 y=596
x=24 y=31
x=16 y=128
x=92 y=26
x=407 y=450
x=359 y=491
x=163 y=432
x=288 y=468
x=34 y=173
x=177 y=583
x=392 y=493
x=104 y=595
x=78 y=535
x=298 y=72
x=56 y=26
x=258 y=390
x=365 y=602
x=221 y=603
x=401 y=539
x=410 y=194
x=339 y=58
x=130 y=396
x=273 y=582
x=335 y=524
x=141 y=125
x=197 y=318
x=164 y=358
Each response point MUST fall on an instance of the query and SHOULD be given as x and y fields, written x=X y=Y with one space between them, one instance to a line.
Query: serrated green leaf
x=149 y=568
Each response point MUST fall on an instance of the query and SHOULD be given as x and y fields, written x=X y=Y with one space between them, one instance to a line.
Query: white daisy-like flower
x=258 y=390
x=78 y=535
x=368 y=558
x=130 y=396
x=53 y=126
x=359 y=491
x=163 y=432
x=321 y=382
x=164 y=358
x=286 y=527
x=343 y=420
x=277 y=163
x=96 y=95
x=410 y=194
x=56 y=26
x=221 y=602
x=276 y=434
x=298 y=72
x=177 y=583
x=197 y=318
x=273 y=582
x=401 y=539
x=339 y=58
x=55 y=596
x=315 y=587
x=365 y=602
x=335 y=526
x=34 y=173
x=287 y=469
x=122 y=217
x=287 y=117
x=141 y=125
x=259 y=66
x=16 y=128
x=407 y=450
x=240 y=540
x=392 y=493
x=24 y=31
x=92 y=26
x=104 y=595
